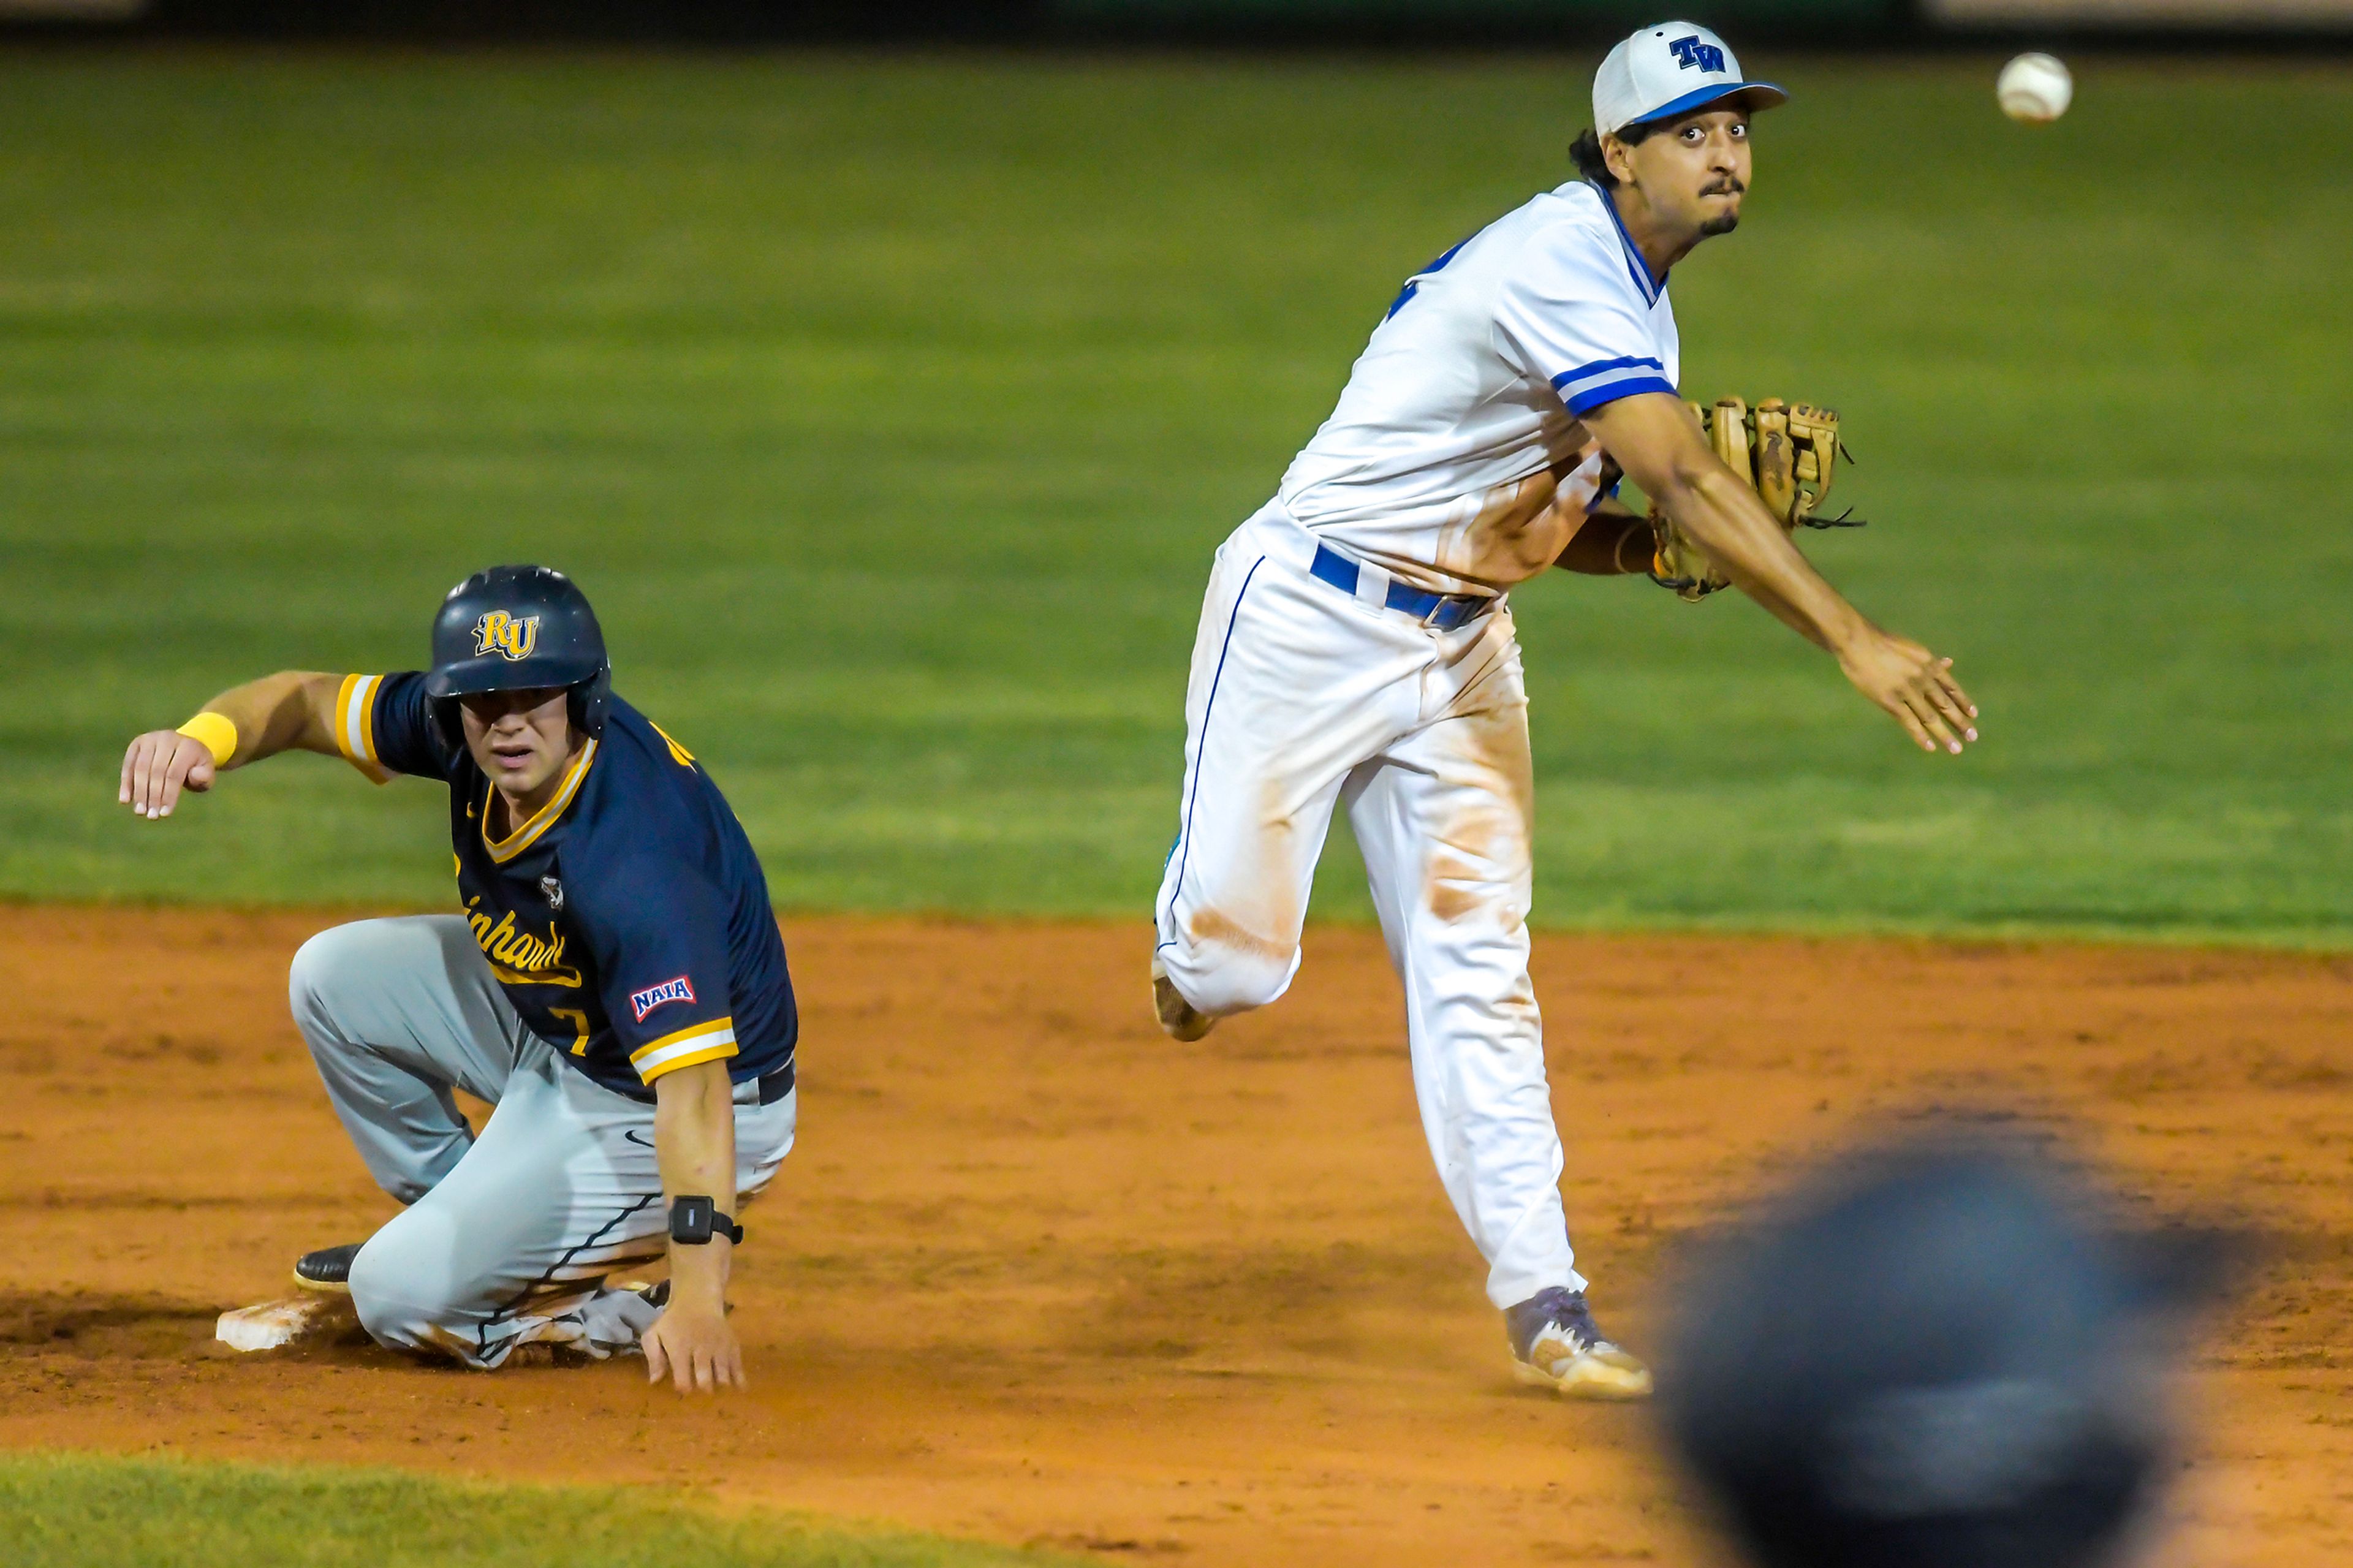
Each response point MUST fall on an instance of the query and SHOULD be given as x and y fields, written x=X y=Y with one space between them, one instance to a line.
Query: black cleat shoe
x=1556 y=1346
x=327 y=1271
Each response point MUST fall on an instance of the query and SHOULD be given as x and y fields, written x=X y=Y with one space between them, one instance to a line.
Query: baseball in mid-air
x=2034 y=88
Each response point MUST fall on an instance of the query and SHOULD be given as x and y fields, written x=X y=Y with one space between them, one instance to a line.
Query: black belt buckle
x=1432 y=611
x=1453 y=611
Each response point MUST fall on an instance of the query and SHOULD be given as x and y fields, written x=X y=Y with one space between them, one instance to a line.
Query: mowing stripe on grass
x=82 y=1510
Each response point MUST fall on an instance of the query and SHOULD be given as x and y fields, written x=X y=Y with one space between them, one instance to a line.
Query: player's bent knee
x=380 y=1300
x=385 y=1294
x=1222 y=979
x=1239 y=986
x=322 y=967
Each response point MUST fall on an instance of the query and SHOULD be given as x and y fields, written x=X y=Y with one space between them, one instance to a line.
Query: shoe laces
x=1554 y=1308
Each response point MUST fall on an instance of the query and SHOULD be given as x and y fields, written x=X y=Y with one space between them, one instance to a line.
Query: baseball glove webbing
x=1787 y=455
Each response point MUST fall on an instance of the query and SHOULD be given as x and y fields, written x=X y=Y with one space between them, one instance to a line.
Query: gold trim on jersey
x=678 y=753
x=505 y=850
x=355 y=725
x=709 y=1042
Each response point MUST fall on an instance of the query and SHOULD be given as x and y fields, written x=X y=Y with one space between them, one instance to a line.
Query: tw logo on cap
x=511 y=637
x=1692 y=53
x=643 y=1002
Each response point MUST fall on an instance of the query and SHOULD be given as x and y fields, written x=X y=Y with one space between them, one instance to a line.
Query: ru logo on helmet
x=511 y=637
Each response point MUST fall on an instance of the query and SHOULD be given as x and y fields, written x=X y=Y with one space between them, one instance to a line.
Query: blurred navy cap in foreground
x=1933 y=1356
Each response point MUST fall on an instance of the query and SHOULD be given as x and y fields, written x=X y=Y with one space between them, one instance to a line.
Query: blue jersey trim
x=1593 y=397
x=1599 y=370
x=1636 y=266
x=1413 y=284
x=1185 y=835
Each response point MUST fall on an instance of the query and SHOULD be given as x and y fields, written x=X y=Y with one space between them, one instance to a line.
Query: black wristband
x=693 y=1221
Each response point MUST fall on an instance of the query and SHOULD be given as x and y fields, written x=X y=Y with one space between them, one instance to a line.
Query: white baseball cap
x=1669 y=70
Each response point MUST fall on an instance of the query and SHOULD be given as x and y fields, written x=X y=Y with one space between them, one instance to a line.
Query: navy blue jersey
x=628 y=920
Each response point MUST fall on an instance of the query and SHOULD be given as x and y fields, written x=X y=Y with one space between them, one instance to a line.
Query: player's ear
x=1619 y=158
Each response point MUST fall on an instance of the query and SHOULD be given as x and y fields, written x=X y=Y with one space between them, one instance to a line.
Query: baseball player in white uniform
x=1356 y=645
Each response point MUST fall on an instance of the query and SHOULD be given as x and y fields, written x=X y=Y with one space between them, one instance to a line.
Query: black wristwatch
x=694 y=1221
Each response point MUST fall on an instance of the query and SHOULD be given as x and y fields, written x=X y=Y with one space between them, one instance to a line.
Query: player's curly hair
x=1585 y=151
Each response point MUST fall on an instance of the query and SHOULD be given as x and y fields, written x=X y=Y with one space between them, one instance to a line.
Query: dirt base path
x=1037 y=1274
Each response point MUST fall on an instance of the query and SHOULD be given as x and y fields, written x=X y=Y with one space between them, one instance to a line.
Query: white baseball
x=2034 y=88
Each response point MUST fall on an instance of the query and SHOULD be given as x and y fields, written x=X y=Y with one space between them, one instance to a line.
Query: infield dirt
x=1037 y=1275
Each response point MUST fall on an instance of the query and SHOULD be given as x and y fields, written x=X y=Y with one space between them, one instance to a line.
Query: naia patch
x=653 y=996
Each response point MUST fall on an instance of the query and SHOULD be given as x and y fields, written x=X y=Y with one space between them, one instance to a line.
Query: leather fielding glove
x=1787 y=455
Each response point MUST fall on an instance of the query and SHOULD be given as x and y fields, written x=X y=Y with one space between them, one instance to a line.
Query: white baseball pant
x=509 y=1236
x=1302 y=696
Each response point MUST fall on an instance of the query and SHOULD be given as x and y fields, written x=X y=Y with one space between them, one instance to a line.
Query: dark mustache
x=1727 y=186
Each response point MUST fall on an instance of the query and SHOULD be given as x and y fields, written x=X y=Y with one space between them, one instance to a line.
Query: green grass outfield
x=891 y=410
x=84 y=1511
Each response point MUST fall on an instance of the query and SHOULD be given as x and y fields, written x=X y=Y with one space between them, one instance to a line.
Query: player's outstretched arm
x=694 y=1144
x=293 y=710
x=1654 y=438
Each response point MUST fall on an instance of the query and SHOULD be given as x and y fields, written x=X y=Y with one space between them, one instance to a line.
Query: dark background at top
x=727 y=22
x=1311 y=24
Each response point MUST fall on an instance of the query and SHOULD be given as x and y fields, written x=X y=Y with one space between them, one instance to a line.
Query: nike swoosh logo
x=640 y=1143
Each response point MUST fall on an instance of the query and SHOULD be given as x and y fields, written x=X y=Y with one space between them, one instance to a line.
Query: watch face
x=690 y=1220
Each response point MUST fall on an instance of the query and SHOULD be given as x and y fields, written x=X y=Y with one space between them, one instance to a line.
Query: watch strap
x=694 y=1219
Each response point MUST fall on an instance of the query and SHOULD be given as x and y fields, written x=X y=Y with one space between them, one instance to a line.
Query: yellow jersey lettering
x=519 y=957
x=579 y=1022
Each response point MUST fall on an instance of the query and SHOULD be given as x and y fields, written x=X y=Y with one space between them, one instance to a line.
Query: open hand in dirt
x=696 y=1349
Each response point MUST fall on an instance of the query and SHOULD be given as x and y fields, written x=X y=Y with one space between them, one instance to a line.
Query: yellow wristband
x=217 y=733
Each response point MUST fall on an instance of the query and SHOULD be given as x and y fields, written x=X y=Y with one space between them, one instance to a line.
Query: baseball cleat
x=544 y=1353
x=1556 y=1346
x=328 y=1270
x=1181 y=1018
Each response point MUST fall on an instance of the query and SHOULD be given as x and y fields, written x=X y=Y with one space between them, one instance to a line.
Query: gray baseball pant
x=509 y=1235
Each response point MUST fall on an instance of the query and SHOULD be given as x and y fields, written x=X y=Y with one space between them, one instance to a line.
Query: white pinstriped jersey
x=1455 y=459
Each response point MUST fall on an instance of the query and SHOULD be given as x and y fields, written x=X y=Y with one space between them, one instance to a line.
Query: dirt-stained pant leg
x=1301 y=695
x=515 y=1245
x=509 y=1235
x=1292 y=684
x=1445 y=820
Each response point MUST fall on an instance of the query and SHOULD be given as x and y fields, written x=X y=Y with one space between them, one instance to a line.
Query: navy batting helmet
x=1938 y=1355
x=512 y=628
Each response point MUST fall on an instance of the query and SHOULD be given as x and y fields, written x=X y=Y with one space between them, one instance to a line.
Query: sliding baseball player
x=1356 y=649
x=615 y=985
